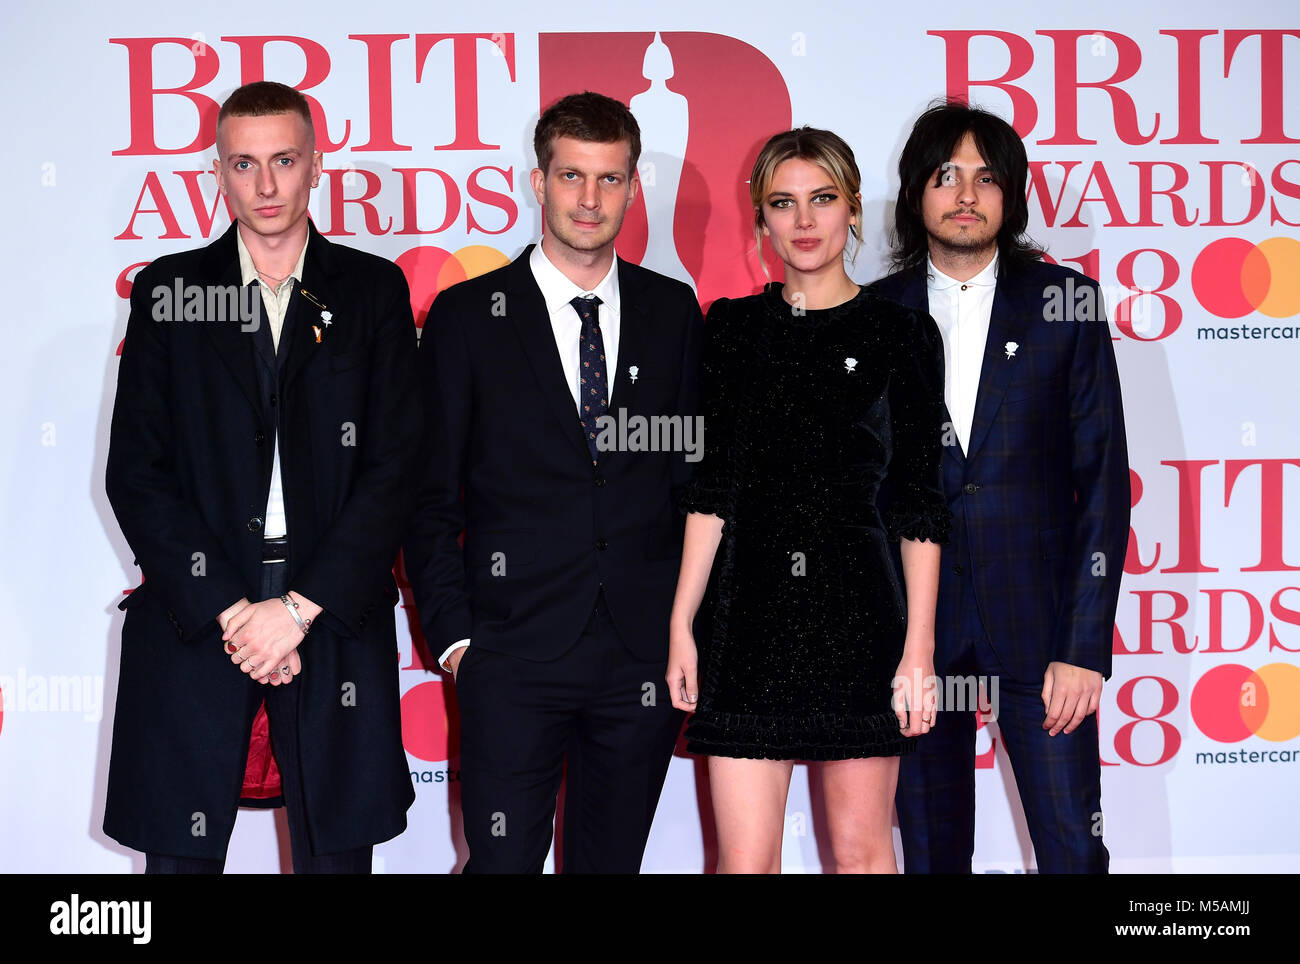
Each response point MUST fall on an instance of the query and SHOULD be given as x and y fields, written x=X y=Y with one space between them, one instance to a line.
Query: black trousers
x=598 y=717
x=282 y=714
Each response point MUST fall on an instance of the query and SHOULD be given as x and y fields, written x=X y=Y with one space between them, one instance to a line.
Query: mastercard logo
x=1232 y=277
x=1232 y=702
x=430 y=269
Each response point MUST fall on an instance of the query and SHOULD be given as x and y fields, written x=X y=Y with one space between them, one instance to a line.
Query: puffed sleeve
x=709 y=489
x=917 y=508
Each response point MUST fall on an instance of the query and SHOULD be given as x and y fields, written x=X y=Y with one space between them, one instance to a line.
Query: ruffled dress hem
x=820 y=736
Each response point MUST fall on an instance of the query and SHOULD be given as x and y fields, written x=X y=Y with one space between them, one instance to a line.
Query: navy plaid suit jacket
x=1040 y=502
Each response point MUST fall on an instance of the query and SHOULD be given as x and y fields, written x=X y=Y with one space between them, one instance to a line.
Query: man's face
x=586 y=192
x=266 y=168
x=962 y=204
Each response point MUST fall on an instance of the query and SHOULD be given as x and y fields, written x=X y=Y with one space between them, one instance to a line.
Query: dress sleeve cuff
x=703 y=497
x=925 y=523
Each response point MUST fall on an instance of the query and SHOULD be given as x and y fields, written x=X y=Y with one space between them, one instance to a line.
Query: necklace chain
x=276 y=282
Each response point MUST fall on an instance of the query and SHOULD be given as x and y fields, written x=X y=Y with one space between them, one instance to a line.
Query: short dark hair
x=263 y=98
x=934 y=137
x=586 y=117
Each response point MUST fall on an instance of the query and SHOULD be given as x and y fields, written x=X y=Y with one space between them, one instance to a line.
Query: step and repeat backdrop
x=1165 y=163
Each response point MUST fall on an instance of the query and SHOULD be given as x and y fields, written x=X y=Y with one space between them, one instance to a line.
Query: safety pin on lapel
x=326 y=316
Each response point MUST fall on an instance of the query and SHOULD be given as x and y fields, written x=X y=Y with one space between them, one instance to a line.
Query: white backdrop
x=1144 y=183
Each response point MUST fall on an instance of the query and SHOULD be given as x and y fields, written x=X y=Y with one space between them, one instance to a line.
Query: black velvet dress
x=807 y=415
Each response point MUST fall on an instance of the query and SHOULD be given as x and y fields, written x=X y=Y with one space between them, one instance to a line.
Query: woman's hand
x=682 y=661
x=916 y=689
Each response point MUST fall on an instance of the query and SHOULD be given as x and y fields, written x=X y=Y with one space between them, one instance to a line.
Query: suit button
x=255 y=524
x=600 y=481
x=274 y=398
x=972 y=488
x=602 y=545
x=258 y=438
x=958 y=570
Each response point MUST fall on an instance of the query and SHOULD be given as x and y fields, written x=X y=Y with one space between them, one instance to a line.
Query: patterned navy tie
x=593 y=396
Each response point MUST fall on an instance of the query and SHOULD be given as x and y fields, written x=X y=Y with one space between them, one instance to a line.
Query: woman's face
x=806 y=217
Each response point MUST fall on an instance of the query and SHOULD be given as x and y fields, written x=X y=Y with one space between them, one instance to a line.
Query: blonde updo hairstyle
x=825 y=149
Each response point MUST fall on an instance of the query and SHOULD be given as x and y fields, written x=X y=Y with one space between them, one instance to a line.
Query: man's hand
x=453 y=661
x=260 y=637
x=291 y=667
x=1069 y=694
x=225 y=617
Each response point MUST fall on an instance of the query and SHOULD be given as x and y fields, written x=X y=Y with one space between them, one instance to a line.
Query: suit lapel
x=309 y=299
x=1004 y=326
x=633 y=337
x=633 y=341
x=233 y=345
x=527 y=312
x=915 y=294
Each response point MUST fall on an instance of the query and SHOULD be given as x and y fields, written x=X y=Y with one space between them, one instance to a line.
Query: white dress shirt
x=566 y=325
x=276 y=303
x=557 y=292
x=962 y=310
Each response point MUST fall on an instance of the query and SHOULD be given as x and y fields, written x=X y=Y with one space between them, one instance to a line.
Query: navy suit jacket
x=1040 y=501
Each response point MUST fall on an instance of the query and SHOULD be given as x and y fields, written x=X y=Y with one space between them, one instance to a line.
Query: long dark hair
x=934 y=137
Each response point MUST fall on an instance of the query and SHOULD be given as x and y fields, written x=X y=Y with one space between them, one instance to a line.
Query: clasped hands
x=263 y=638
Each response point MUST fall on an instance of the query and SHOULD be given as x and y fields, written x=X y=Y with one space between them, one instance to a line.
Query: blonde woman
x=817 y=396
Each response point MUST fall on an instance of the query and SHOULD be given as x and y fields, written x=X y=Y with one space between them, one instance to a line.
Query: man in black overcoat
x=260 y=459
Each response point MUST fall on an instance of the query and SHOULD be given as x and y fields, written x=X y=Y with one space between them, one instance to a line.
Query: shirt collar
x=248 y=273
x=938 y=281
x=558 y=290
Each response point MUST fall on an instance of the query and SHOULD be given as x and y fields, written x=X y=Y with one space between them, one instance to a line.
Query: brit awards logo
x=692 y=219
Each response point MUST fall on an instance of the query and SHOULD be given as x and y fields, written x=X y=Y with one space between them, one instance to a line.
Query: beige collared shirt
x=276 y=303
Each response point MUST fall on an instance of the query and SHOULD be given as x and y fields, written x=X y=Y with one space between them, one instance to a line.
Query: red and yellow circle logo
x=430 y=269
x=1232 y=277
x=430 y=728
x=1232 y=702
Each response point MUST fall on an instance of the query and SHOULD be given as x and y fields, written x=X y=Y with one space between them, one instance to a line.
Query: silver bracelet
x=289 y=604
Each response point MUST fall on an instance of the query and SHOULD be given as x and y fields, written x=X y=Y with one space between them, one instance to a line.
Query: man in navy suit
x=553 y=616
x=1036 y=474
